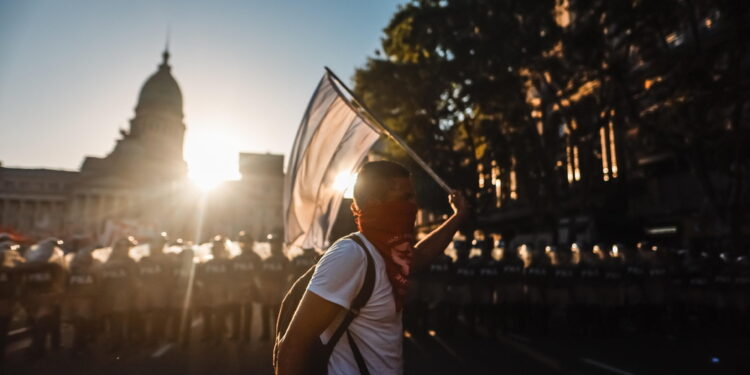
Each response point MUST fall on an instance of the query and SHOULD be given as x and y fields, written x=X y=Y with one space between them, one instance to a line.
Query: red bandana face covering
x=390 y=227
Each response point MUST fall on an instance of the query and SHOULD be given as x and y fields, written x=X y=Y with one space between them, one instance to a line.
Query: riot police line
x=113 y=299
x=486 y=288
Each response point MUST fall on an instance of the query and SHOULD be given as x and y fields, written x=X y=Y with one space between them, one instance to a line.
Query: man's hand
x=436 y=242
x=459 y=204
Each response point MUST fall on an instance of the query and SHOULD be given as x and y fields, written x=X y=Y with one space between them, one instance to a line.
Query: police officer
x=588 y=289
x=245 y=268
x=153 y=289
x=436 y=284
x=484 y=287
x=741 y=294
x=214 y=277
x=560 y=289
x=655 y=286
x=633 y=286
x=42 y=282
x=181 y=306
x=273 y=280
x=722 y=287
x=9 y=259
x=463 y=282
x=510 y=291
x=612 y=282
x=303 y=262
x=82 y=298
x=118 y=275
x=536 y=280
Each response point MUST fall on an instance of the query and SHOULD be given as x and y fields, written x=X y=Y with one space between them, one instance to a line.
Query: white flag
x=331 y=141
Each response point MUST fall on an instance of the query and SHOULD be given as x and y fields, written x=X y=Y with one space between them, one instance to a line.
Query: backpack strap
x=359 y=301
x=357 y=355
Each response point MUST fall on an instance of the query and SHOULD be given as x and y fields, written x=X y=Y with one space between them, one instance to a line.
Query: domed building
x=138 y=182
x=150 y=152
x=140 y=187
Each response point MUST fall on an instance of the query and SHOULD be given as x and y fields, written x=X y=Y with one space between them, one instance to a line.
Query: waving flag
x=332 y=141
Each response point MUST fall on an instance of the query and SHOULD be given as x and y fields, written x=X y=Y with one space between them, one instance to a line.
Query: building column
x=4 y=214
x=35 y=213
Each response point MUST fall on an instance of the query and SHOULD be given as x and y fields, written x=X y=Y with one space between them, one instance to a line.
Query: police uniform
x=612 y=295
x=245 y=268
x=214 y=277
x=154 y=285
x=633 y=289
x=488 y=274
x=437 y=277
x=510 y=291
x=559 y=293
x=118 y=275
x=536 y=280
x=182 y=270
x=42 y=282
x=587 y=293
x=741 y=295
x=8 y=289
x=655 y=294
x=303 y=262
x=465 y=273
x=82 y=295
x=273 y=281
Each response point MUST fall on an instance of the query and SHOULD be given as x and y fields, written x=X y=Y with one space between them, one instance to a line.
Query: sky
x=71 y=71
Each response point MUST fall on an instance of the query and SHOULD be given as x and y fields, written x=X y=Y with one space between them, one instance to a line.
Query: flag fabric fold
x=332 y=140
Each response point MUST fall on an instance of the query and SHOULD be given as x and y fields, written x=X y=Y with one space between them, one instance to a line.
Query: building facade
x=142 y=183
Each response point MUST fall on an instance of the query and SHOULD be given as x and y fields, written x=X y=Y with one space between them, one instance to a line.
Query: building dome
x=161 y=91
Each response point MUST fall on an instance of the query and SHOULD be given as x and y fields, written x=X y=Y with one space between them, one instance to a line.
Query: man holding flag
x=334 y=137
x=385 y=210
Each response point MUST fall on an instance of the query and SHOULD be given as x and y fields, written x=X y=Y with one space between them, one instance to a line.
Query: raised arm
x=314 y=314
x=436 y=242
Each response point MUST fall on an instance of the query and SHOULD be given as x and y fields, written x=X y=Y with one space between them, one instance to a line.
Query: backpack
x=320 y=353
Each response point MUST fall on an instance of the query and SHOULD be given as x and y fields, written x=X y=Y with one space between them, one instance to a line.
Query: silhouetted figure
x=536 y=279
x=118 y=275
x=84 y=287
x=274 y=280
x=42 y=282
x=10 y=258
x=510 y=291
x=154 y=284
x=437 y=281
x=560 y=289
x=214 y=279
x=245 y=271
x=181 y=299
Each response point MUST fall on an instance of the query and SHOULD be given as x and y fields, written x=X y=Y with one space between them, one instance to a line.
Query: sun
x=212 y=158
x=344 y=181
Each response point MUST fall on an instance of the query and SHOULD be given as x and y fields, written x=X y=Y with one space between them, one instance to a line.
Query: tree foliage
x=501 y=95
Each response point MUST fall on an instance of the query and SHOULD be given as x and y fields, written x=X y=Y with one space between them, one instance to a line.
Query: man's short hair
x=374 y=180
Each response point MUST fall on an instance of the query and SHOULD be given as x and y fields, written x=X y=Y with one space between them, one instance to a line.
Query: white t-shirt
x=377 y=330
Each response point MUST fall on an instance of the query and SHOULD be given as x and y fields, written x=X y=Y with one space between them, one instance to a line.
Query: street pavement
x=425 y=353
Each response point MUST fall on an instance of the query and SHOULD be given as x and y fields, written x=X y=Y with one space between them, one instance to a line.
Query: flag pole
x=358 y=106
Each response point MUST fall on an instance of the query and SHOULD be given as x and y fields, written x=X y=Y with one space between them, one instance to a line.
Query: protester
x=385 y=211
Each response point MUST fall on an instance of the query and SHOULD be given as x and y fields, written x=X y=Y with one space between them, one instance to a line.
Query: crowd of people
x=581 y=290
x=524 y=289
x=119 y=301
